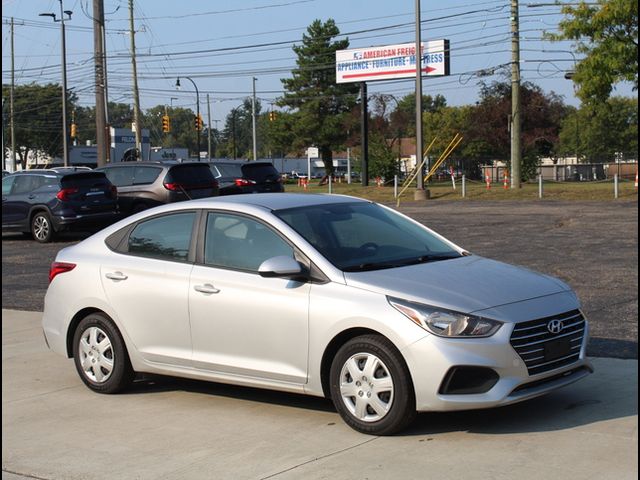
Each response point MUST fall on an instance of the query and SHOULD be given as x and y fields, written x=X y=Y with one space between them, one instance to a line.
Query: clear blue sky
x=200 y=39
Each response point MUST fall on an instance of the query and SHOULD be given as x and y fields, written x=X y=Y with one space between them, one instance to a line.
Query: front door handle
x=117 y=276
x=206 y=288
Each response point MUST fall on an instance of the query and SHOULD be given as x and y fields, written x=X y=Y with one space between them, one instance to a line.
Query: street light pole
x=253 y=120
x=65 y=144
x=197 y=110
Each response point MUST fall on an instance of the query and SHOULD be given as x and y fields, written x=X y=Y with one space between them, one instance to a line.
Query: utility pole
x=137 y=118
x=253 y=119
x=420 y=193
x=364 y=134
x=209 y=129
x=516 y=152
x=11 y=106
x=100 y=78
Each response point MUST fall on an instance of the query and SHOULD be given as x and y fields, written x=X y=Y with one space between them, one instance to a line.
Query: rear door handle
x=206 y=288
x=31 y=197
x=117 y=276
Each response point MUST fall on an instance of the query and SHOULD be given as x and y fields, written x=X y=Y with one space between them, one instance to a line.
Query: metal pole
x=14 y=165
x=615 y=185
x=65 y=135
x=330 y=184
x=540 y=186
x=349 y=166
x=516 y=152
x=209 y=130
x=253 y=120
x=420 y=193
x=464 y=186
x=395 y=186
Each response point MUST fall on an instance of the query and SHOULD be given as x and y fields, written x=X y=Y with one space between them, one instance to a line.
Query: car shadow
x=595 y=399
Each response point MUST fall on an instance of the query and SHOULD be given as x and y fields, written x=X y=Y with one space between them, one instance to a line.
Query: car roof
x=278 y=201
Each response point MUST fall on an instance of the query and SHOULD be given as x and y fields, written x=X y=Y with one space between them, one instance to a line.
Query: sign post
x=312 y=152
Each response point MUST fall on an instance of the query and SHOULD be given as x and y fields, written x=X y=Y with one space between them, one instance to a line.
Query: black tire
x=107 y=371
x=42 y=228
x=399 y=400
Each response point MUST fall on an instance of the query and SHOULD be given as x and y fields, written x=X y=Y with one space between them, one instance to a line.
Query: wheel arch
x=73 y=325
x=334 y=345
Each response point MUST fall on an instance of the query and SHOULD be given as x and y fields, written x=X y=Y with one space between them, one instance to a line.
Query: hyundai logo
x=555 y=326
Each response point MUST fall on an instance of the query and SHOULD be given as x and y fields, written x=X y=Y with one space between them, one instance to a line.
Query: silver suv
x=142 y=185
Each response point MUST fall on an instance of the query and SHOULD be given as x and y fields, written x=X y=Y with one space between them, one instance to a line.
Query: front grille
x=542 y=350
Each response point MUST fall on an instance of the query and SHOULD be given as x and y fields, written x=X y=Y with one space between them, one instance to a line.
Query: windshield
x=365 y=236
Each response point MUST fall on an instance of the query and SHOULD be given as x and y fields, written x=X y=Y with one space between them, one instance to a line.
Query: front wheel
x=371 y=387
x=100 y=355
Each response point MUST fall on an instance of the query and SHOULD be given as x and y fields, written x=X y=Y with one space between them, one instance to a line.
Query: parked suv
x=45 y=202
x=142 y=185
x=246 y=177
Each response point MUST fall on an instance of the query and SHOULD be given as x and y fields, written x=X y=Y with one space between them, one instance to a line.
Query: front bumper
x=430 y=358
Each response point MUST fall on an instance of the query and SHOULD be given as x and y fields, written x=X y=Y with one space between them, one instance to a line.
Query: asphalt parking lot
x=164 y=428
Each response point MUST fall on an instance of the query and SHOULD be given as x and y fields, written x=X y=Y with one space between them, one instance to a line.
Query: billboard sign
x=391 y=61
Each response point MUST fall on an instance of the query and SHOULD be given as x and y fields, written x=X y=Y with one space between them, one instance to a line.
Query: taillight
x=243 y=182
x=63 y=195
x=58 y=268
x=174 y=187
x=114 y=191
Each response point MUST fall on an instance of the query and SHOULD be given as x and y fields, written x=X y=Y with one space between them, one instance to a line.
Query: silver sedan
x=318 y=294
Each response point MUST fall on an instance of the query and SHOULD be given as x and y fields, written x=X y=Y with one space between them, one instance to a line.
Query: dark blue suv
x=44 y=202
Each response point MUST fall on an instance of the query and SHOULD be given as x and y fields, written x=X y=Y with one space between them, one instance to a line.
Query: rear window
x=84 y=180
x=189 y=174
x=145 y=175
x=260 y=171
x=229 y=170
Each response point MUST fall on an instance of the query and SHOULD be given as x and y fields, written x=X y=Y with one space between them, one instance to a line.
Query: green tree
x=38 y=118
x=542 y=116
x=606 y=32
x=182 y=134
x=600 y=132
x=319 y=105
x=237 y=136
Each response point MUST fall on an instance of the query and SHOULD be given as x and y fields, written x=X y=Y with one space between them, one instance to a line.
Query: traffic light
x=166 y=124
x=198 y=122
x=272 y=116
x=74 y=130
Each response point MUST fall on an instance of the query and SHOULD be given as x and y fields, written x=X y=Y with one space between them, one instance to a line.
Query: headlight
x=445 y=323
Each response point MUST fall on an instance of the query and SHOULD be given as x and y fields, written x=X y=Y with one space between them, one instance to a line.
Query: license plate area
x=557 y=349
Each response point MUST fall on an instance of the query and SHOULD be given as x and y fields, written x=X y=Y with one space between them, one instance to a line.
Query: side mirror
x=281 y=266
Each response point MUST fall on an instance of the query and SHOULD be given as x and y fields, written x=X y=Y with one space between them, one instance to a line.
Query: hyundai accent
x=319 y=294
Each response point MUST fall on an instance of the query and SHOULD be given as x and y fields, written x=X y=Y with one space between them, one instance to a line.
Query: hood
x=465 y=284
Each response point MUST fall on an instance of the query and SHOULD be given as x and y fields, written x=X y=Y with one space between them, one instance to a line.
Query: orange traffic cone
x=505 y=183
x=636 y=184
x=488 y=179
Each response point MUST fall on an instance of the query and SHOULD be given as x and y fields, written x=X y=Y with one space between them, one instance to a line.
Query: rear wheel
x=100 y=355
x=371 y=387
x=42 y=228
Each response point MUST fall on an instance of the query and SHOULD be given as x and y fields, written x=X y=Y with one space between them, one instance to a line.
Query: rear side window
x=190 y=174
x=166 y=238
x=260 y=171
x=145 y=175
x=29 y=183
x=120 y=176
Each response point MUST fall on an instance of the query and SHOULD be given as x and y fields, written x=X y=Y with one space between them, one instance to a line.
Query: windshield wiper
x=364 y=267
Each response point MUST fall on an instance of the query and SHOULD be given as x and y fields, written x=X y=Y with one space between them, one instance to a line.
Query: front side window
x=167 y=237
x=234 y=241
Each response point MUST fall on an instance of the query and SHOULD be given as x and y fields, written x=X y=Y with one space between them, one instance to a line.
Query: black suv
x=142 y=185
x=246 y=177
x=44 y=202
